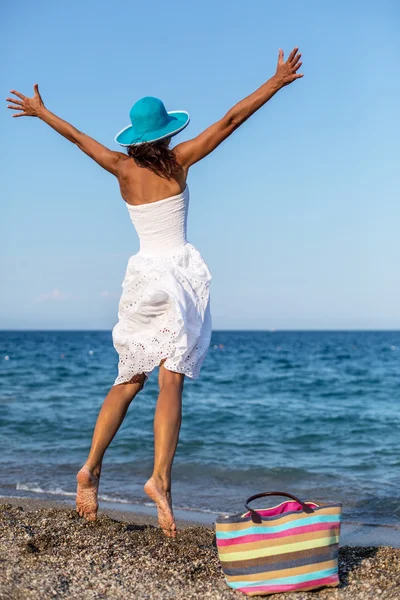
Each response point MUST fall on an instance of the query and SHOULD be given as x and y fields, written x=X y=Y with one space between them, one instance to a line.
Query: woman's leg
x=111 y=415
x=167 y=423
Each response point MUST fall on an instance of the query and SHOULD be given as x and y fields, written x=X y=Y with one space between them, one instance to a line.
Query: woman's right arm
x=194 y=150
x=34 y=107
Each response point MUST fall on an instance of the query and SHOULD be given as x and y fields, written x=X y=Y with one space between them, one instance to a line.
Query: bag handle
x=254 y=512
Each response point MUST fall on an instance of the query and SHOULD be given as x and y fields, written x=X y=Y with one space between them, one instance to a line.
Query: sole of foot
x=86 y=494
x=163 y=502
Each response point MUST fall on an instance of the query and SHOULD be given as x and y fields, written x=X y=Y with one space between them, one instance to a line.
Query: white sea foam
x=29 y=487
x=26 y=487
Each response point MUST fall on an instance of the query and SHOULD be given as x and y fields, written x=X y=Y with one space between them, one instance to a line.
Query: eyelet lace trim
x=164 y=312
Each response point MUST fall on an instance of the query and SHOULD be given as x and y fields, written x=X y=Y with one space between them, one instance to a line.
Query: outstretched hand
x=286 y=72
x=30 y=107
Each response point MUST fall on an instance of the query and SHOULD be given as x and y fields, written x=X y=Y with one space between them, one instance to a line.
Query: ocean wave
x=35 y=489
x=27 y=487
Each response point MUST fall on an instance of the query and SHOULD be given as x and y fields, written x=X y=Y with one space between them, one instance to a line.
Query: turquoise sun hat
x=151 y=122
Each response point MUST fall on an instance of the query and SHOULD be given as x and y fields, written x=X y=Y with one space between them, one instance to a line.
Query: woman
x=164 y=311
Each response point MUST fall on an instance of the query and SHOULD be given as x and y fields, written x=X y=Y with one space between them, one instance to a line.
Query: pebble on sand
x=53 y=553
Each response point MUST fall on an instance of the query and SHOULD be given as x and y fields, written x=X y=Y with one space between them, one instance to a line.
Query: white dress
x=164 y=310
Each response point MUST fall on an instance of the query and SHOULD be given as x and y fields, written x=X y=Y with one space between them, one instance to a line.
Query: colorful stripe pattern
x=288 y=550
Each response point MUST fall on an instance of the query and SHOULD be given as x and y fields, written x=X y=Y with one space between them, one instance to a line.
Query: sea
x=311 y=413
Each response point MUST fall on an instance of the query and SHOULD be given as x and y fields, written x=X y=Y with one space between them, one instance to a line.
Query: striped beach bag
x=290 y=547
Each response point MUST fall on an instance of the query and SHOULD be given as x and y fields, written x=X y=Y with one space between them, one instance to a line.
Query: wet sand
x=48 y=551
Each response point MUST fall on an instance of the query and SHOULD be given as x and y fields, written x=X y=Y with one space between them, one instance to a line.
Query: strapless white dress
x=164 y=310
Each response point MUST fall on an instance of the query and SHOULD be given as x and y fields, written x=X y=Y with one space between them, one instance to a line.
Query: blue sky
x=297 y=214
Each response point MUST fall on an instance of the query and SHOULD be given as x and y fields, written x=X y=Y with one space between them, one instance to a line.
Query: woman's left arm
x=34 y=107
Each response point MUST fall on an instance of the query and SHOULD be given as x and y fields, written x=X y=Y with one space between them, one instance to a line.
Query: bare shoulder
x=121 y=154
x=123 y=159
x=125 y=163
x=180 y=151
x=193 y=150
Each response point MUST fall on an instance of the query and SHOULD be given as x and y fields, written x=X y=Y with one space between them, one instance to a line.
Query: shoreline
x=352 y=533
x=48 y=551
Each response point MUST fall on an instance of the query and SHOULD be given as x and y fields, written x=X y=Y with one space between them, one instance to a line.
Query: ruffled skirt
x=164 y=312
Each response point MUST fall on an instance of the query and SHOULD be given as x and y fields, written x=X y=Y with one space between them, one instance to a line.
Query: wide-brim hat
x=150 y=122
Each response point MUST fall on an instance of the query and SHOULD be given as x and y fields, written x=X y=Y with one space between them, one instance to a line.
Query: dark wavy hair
x=156 y=156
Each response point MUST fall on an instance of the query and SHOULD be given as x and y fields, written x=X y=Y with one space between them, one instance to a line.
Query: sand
x=48 y=551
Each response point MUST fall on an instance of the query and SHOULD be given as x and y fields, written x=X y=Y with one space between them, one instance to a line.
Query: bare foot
x=162 y=500
x=86 y=495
